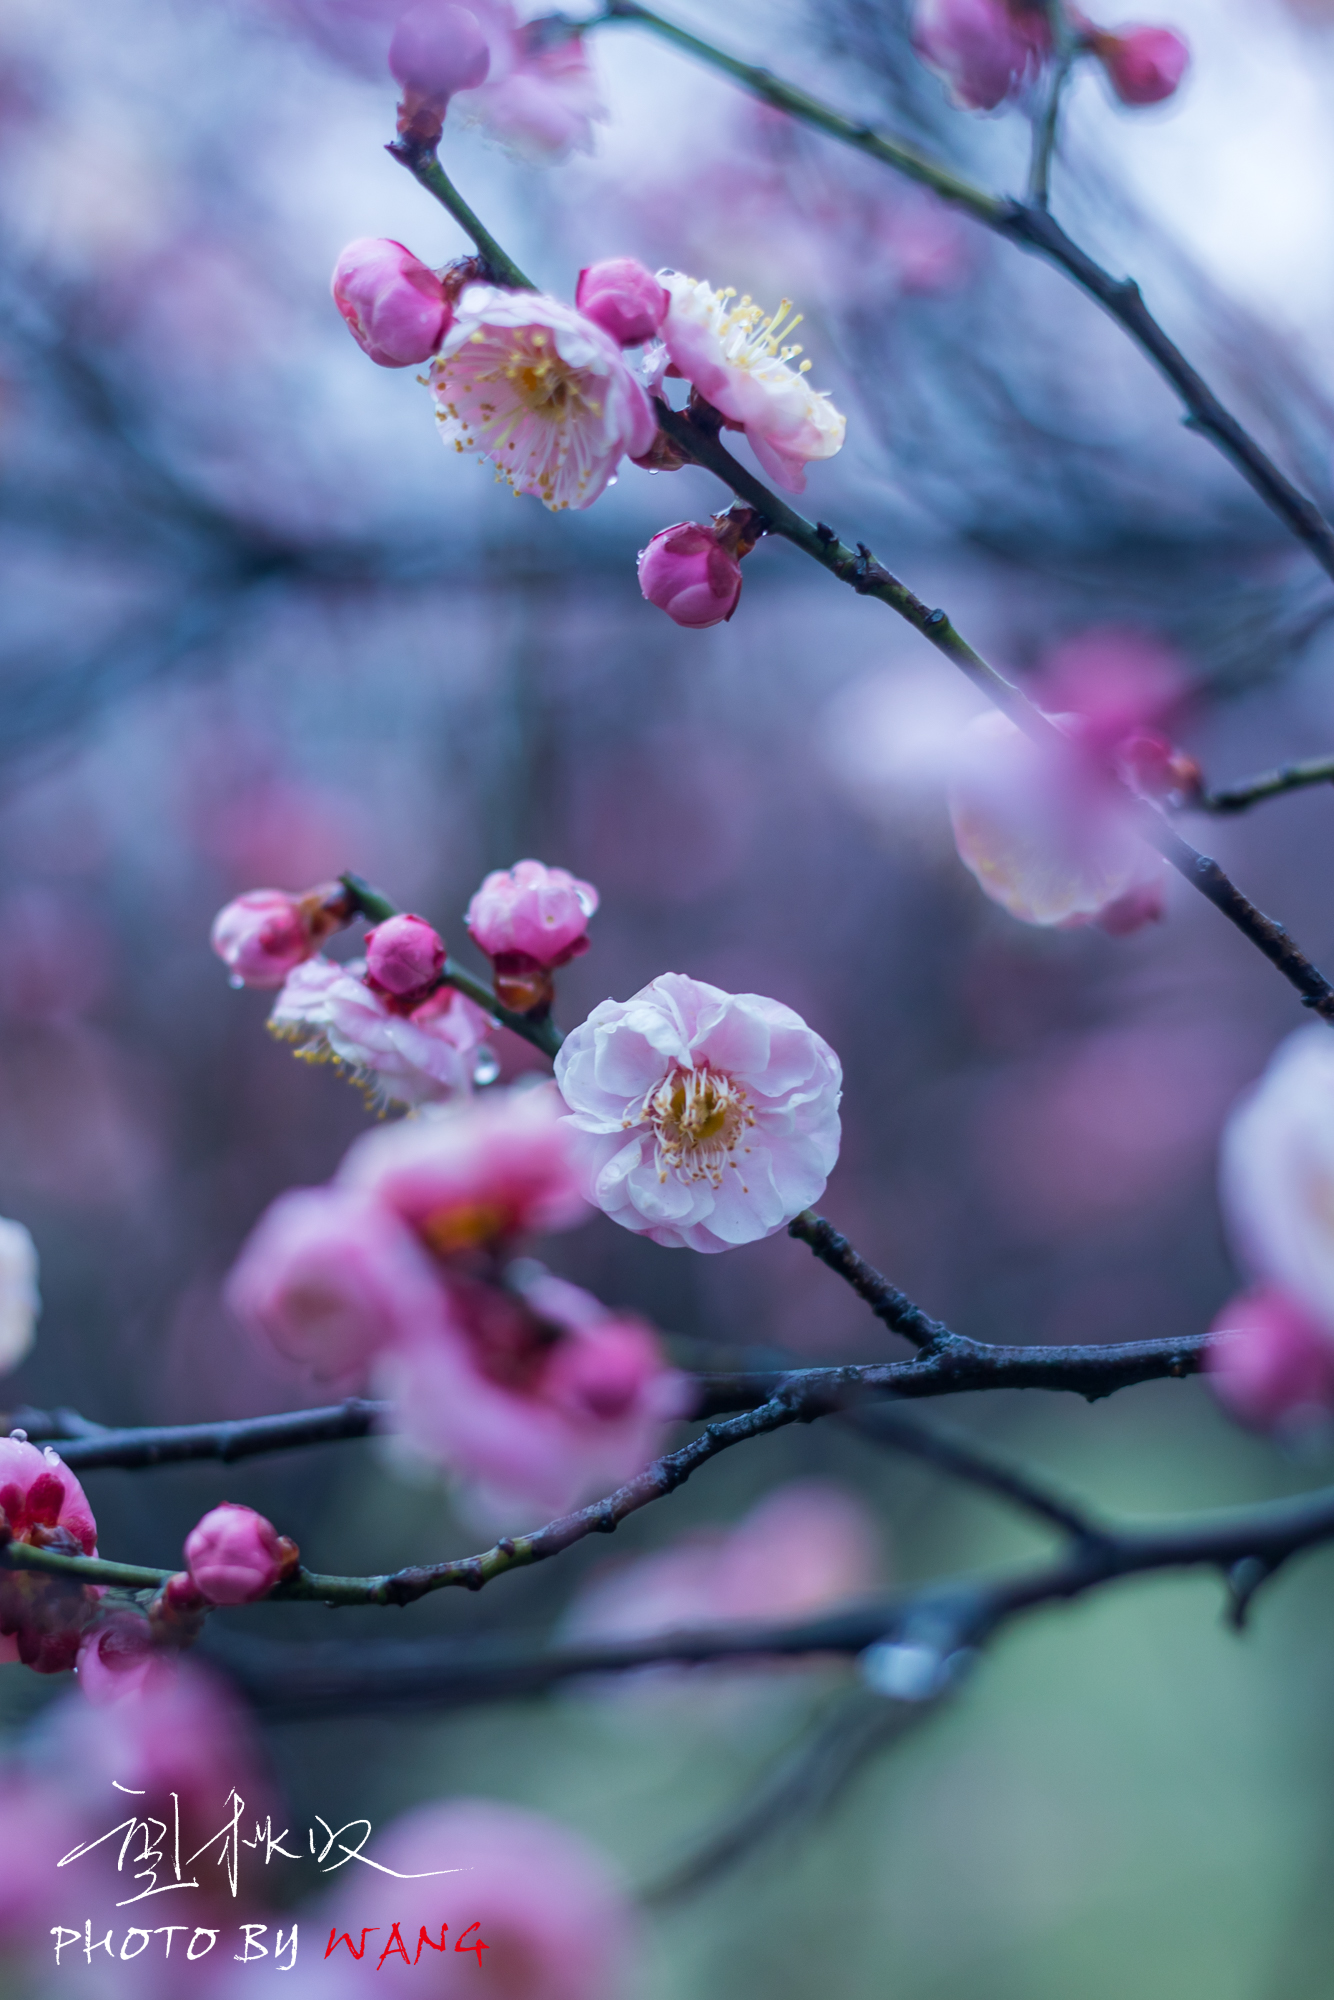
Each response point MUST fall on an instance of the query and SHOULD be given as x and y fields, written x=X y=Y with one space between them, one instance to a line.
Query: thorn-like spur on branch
x=1031 y=227
x=699 y=442
x=1249 y=792
x=425 y=168
x=543 y=1034
x=1244 y=1546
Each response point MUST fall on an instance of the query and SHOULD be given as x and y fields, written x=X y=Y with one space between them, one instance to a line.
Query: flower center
x=699 y=1117
x=544 y=383
x=751 y=337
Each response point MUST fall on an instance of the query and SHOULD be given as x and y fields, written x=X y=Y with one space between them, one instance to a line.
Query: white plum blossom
x=1277 y=1173
x=734 y=354
x=20 y=1302
x=419 y=1056
x=1049 y=835
x=529 y=383
x=704 y=1119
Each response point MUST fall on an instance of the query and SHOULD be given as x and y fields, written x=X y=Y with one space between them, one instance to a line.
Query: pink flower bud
x=437 y=49
x=404 y=958
x=235 y=1556
x=261 y=937
x=532 y=913
x=1276 y=1373
x=116 y=1657
x=395 y=307
x=1148 y=762
x=1143 y=65
x=623 y=298
x=688 y=574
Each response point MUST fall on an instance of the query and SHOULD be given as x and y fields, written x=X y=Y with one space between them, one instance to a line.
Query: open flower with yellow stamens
x=529 y=383
x=704 y=1119
x=740 y=358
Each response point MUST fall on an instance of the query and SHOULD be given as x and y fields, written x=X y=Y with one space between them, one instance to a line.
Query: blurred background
x=259 y=629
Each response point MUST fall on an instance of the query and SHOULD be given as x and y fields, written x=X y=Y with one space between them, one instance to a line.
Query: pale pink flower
x=329 y=1276
x=541 y=98
x=437 y=50
x=1047 y=832
x=622 y=297
x=394 y=306
x=703 y=1119
x=985 y=50
x=1143 y=65
x=734 y=354
x=42 y=1618
x=267 y=933
x=530 y=916
x=1276 y=1371
x=1277 y=1173
x=404 y=958
x=412 y=1057
x=475 y=1173
x=686 y=572
x=235 y=1556
x=117 y=1658
x=555 y=1921
x=20 y=1301
x=533 y=1401
x=529 y=383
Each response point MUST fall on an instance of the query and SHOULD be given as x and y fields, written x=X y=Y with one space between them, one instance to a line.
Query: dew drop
x=235 y=981
x=486 y=1068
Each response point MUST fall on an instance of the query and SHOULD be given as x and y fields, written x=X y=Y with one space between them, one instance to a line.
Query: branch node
x=1243 y=1581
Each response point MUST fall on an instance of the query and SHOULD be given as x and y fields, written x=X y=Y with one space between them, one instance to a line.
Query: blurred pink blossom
x=437 y=50
x=1277 y=1173
x=267 y=933
x=686 y=572
x=42 y=1618
x=734 y=355
x=20 y=1301
x=1276 y=1372
x=529 y=383
x=330 y=1275
x=235 y=1556
x=1047 y=833
x=1118 y=679
x=623 y=297
x=530 y=919
x=703 y=1119
x=413 y=1058
x=116 y=1658
x=985 y=50
x=394 y=306
x=404 y=958
x=541 y=98
x=1143 y=65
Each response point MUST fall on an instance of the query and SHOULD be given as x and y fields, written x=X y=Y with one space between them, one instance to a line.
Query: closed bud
x=623 y=298
x=1143 y=65
x=687 y=573
x=1151 y=765
x=394 y=305
x=267 y=933
x=437 y=50
x=235 y=1556
x=404 y=958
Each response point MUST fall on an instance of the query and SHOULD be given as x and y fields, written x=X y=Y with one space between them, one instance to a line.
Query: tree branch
x=424 y=166
x=1249 y=792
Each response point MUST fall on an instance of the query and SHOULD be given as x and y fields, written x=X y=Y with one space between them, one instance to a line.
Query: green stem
x=425 y=168
x=1269 y=785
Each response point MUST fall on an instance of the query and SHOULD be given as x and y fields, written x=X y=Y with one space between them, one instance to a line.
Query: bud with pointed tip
x=395 y=307
x=1143 y=65
x=623 y=298
x=686 y=572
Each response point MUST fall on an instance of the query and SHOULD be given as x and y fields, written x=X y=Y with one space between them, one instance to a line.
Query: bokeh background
x=259 y=629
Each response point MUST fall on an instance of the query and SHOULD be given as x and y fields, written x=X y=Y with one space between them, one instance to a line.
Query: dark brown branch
x=1249 y=792
x=886 y=1301
x=94 y=1449
x=963 y=1458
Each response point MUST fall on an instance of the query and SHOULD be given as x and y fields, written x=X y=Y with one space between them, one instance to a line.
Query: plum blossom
x=534 y=1399
x=267 y=933
x=235 y=1556
x=394 y=305
x=437 y=50
x=42 y=1618
x=117 y=1658
x=1049 y=835
x=985 y=50
x=530 y=919
x=400 y=1055
x=1143 y=65
x=540 y=98
x=1277 y=1173
x=623 y=298
x=703 y=1119
x=20 y=1301
x=691 y=575
x=330 y=1275
x=734 y=355
x=530 y=383
x=405 y=957
x=1275 y=1371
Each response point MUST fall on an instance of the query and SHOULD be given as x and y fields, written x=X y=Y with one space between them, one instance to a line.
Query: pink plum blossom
x=412 y=1056
x=1277 y=1173
x=530 y=919
x=688 y=573
x=1275 y=1372
x=703 y=1119
x=394 y=306
x=20 y=1301
x=1143 y=65
x=437 y=50
x=541 y=98
x=733 y=354
x=267 y=933
x=116 y=1658
x=331 y=1275
x=534 y=1401
x=537 y=388
x=985 y=50
x=1049 y=835
x=235 y=1556
x=473 y=1174
x=42 y=1618
x=622 y=297
x=404 y=958
x=555 y=1921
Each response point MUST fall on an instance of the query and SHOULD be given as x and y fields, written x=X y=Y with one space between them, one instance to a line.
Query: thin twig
x=1045 y=125
x=886 y=1301
x=963 y=1458
x=1249 y=792
x=422 y=163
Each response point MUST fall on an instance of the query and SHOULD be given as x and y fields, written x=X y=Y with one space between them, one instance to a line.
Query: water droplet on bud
x=486 y=1068
x=235 y=981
